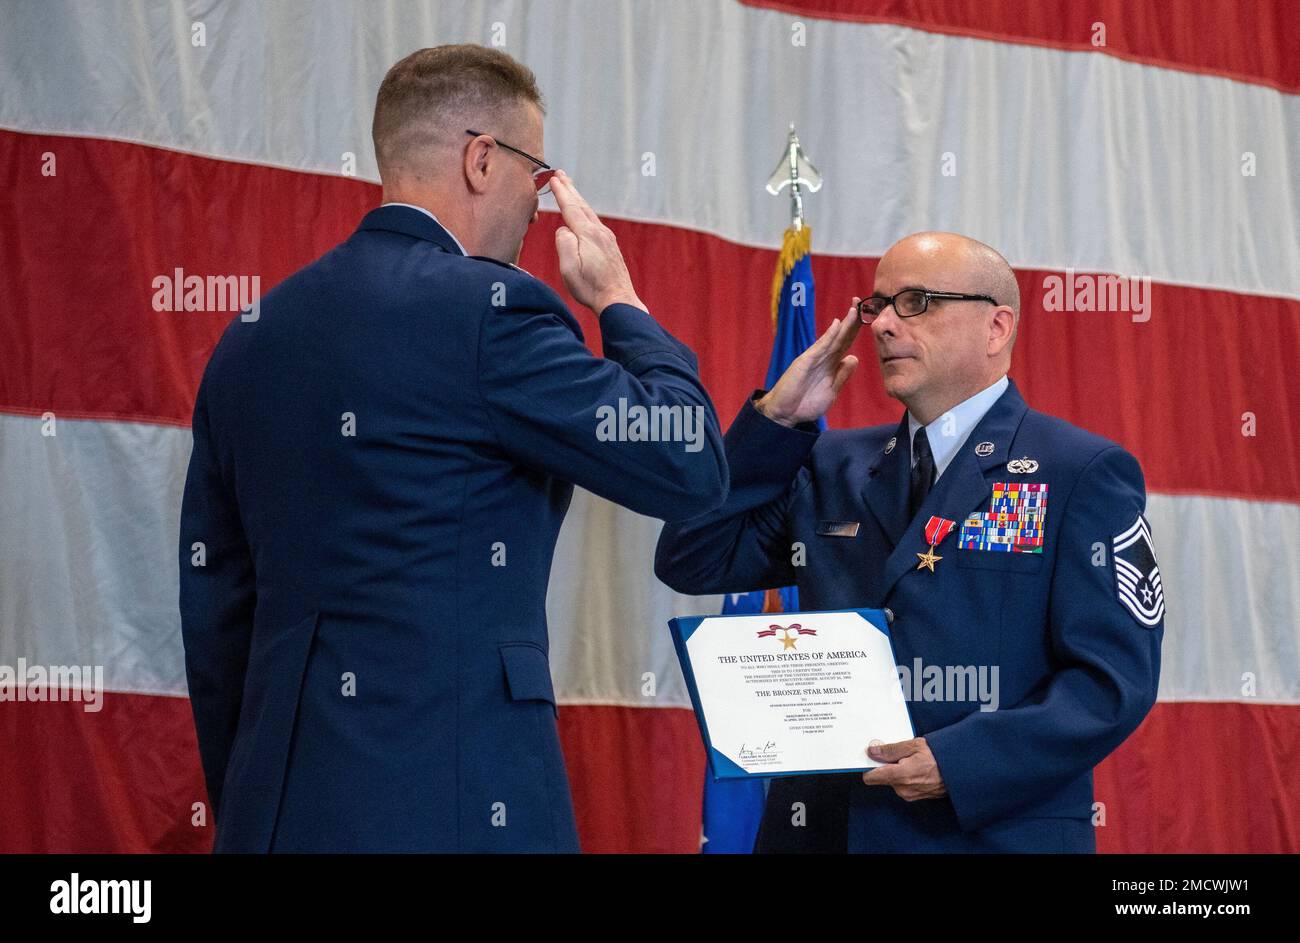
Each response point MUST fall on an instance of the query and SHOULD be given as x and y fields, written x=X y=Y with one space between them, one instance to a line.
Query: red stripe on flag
x=122 y=779
x=1245 y=42
x=79 y=252
x=1176 y=389
x=78 y=255
x=1204 y=777
x=637 y=777
x=1192 y=778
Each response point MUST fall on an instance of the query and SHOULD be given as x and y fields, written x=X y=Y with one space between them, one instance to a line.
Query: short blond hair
x=422 y=93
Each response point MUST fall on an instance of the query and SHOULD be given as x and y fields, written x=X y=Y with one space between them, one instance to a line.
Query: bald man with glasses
x=1009 y=545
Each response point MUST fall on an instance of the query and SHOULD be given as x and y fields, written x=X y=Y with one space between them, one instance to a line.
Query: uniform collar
x=987 y=444
x=414 y=221
x=949 y=432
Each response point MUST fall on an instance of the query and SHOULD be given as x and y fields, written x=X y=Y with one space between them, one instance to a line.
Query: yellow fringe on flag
x=796 y=244
x=772 y=601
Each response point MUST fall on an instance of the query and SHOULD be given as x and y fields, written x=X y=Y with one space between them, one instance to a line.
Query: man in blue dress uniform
x=1010 y=546
x=382 y=459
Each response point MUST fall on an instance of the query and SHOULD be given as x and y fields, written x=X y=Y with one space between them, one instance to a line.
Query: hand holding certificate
x=778 y=694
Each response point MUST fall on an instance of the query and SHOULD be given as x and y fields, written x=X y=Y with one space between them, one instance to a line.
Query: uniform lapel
x=962 y=488
x=885 y=492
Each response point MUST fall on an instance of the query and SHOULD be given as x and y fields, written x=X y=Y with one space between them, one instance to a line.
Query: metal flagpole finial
x=795 y=171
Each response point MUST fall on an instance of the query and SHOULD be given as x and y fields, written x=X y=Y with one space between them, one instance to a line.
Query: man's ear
x=1001 y=330
x=475 y=163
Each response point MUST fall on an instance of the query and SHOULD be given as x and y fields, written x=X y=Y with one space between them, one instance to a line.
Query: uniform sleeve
x=217 y=600
x=1108 y=654
x=635 y=426
x=744 y=545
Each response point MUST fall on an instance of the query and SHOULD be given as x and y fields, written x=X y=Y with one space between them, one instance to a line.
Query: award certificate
x=778 y=694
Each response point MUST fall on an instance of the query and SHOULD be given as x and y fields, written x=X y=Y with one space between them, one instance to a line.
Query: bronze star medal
x=936 y=529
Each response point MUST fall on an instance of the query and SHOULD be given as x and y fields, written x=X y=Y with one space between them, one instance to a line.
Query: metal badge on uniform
x=1022 y=466
x=837 y=529
x=1137 y=577
x=889 y=446
x=1012 y=524
x=983 y=449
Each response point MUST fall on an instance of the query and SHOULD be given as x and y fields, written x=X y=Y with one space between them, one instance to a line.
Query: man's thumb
x=566 y=243
x=843 y=372
x=891 y=752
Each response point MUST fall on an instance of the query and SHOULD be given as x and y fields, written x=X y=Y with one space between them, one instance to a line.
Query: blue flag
x=734 y=807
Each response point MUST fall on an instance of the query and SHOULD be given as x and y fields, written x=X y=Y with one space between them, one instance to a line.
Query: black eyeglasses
x=910 y=302
x=541 y=176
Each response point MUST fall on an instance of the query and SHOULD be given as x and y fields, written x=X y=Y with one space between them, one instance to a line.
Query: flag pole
x=797 y=172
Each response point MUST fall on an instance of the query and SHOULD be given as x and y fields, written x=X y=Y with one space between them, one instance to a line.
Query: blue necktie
x=922 y=471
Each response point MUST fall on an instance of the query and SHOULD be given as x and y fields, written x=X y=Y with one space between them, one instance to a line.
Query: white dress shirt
x=950 y=431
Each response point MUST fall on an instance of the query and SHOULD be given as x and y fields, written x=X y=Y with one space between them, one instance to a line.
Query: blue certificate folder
x=684 y=627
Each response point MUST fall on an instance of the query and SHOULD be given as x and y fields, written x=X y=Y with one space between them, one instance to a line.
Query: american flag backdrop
x=146 y=145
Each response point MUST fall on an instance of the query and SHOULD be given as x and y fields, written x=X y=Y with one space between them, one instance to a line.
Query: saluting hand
x=590 y=261
x=812 y=381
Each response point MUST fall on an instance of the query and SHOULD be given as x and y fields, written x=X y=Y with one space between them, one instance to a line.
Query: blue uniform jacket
x=1074 y=630
x=381 y=463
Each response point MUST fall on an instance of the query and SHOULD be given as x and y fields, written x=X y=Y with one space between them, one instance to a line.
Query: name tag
x=837 y=529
